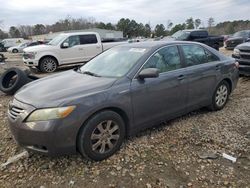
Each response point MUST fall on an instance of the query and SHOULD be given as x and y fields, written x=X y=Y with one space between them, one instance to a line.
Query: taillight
x=236 y=64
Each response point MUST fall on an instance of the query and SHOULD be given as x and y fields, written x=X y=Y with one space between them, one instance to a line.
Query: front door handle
x=181 y=77
x=217 y=67
x=80 y=48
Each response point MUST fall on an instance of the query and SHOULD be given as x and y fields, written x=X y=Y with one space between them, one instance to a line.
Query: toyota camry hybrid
x=93 y=108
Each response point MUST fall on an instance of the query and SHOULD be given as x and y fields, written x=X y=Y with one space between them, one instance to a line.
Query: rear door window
x=211 y=57
x=194 y=55
x=88 y=39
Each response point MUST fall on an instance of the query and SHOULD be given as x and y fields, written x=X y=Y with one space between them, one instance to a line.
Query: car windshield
x=22 y=45
x=115 y=62
x=55 y=41
x=181 y=35
x=240 y=34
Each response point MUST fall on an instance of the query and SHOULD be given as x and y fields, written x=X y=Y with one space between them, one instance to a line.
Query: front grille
x=15 y=112
x=245 y=51
x=245 y=56
x=25 y=56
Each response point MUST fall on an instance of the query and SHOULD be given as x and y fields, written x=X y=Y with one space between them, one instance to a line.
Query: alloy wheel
x=49 y=65
x=221 y=95
x=105 y=136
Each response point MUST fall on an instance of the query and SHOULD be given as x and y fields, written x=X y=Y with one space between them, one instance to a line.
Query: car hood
x=61 y=88
x=169 y=38
x=244 y=46
x=235 y=39
x=39 y=48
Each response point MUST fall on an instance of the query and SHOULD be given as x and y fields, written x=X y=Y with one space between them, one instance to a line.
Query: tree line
x=130 y=27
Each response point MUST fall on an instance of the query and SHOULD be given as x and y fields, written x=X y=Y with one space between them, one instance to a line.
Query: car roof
x=191 y=30
x=243 y=31
x=155 y=44
x=78 y=33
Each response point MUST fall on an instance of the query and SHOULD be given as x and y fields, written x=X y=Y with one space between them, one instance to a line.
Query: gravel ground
x=171 y=155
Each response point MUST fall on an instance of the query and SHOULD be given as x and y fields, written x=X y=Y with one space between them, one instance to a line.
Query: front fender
x=48 y=54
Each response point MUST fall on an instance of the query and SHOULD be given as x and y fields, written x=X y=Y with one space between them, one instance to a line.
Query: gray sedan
x=128 y=88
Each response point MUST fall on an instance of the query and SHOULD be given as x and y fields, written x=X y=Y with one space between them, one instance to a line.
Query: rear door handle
x=181 y=77
x=217 y=67
x=80 y=48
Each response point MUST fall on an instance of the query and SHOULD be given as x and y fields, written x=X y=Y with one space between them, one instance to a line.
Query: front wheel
x=48 y=64
x=101 y=136
x=220 y=96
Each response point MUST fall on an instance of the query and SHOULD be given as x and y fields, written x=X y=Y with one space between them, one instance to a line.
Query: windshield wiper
x=91 y=73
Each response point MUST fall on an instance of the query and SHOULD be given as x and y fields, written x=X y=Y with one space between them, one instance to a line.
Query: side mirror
x=149 y=73
x=65 y=45
x=248 y=40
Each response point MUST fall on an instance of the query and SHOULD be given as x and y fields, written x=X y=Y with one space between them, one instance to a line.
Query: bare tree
x=210 y=22
x=169 y=24
x=197 y=23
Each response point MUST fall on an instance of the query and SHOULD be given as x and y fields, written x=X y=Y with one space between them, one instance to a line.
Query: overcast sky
x=23 y=12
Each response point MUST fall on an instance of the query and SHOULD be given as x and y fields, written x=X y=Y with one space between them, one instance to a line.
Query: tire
x=34 y=69
x=48 y=64
x=94 y=143
x=216 y=47
x=12 y=80
x=2 y=58
x=220 y=96
x=15 y=51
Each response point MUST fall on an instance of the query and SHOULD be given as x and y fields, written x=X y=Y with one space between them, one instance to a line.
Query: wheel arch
x=45 y=56
x=118 y=110
x=229 y=83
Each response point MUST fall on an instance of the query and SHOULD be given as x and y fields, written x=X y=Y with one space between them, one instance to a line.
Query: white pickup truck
x=66 y=48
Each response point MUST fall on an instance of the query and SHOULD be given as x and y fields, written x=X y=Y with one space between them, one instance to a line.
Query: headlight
x=236 y=52
x=29 y=55
x=50 y=113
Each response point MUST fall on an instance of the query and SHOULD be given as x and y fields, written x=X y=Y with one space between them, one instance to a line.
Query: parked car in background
x=125 y=89
x=7 y=43
x=198 y=35
x=237 y=38
x=35 y=43
x=226 y=37
x=66 y=48
x=242 y=55
x=18 y=49
x=2 y=49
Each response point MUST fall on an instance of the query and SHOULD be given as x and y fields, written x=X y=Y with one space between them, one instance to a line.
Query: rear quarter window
x=211 y=57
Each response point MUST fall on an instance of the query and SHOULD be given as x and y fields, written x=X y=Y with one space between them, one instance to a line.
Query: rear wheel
x=48 y=64
x=101 y=136
x=14 y=50
x=220 y=96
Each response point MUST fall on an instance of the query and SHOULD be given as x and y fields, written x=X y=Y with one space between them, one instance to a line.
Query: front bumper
x=244 y=65
x=53 y=138
x=30 y=62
